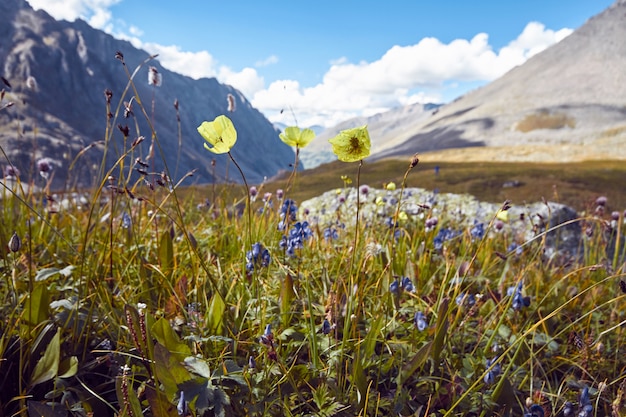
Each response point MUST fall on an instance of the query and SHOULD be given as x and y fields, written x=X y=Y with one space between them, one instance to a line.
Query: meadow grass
x=141 y=298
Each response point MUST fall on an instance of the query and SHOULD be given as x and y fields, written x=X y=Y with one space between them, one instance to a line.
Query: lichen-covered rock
x=560 y=223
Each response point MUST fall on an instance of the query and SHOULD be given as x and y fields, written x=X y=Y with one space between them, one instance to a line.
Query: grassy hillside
x=575 y=184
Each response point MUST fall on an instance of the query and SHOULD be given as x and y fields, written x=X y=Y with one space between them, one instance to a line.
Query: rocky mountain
x=565 y=103
x=386 y=131
x=55 y=73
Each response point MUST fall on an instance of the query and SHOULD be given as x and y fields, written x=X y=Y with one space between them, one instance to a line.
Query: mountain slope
x=68 y=66
x=573 y=93
x=386 y=130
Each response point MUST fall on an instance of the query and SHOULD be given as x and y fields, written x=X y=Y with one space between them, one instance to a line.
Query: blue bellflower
x=519 y=301
x=287 y=212
x=420 y=321
x=257 y=257
x=491 y=375
x=298 y=234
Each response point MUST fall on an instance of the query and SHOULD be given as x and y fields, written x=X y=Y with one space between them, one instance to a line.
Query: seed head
x=154 y=77
x=15 y=243
x=232 y=106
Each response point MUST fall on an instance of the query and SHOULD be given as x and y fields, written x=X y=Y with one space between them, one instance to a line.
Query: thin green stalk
x=248 y=202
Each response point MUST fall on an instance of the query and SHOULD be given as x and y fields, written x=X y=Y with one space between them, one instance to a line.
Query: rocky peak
x=58 y=72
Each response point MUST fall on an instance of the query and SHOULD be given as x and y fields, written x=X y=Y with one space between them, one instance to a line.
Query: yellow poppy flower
x=352 y=145
x=503 y=215
x=294 y=136
x=220 y=133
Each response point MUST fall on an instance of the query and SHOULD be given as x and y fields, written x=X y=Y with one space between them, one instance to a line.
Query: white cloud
x=403 y=75
x=201 y=64
x=270 y=60
x=95 y=12
x=135 y=31
x=247 y=80
x=193 y=64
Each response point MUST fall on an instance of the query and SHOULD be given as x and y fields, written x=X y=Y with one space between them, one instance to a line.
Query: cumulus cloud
x=403 y=75
x=95 y=12
x=248 y=81
x=193 y=64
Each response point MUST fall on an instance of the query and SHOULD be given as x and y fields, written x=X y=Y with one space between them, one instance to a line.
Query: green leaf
x=287 y=295
x=358 y=379
x=160 y=406
x=504 y=331
x=216 y=314
x=45 y=273
x=441 y=329
x=48 y=366
x=36 y=306
x=416 y=362
x=198 y=366
x=166 y=253
x=164 y=334
x=169 y=370
x=369 y=344
x=68 y=367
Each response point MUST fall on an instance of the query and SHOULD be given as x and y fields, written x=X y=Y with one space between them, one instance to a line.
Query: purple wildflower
x=519 y=301
x=420 y=321
x=257 y=257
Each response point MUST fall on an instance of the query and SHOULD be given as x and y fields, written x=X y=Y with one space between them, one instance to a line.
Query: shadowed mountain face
x=56 y=74
x=573 y=93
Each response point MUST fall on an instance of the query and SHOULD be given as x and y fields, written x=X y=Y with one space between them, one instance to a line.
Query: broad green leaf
x=504 y=331
x=160 y=406
x=198 y=366
x=45 y=273
x=169 y=370
x=36 y=306
x=48 y=366
x=68 y=367
x=166 y=253
x=216 y=314
x=162 y=331
x=416 y=362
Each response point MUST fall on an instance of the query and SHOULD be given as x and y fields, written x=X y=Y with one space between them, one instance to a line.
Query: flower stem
x=292 y=177
x=248 y=202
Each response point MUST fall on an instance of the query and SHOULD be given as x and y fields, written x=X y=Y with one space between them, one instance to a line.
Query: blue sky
x=331 y=60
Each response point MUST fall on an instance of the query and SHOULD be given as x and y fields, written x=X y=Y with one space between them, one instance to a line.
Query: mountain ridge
x=572 y=93
x=58 y=72
x=566 y=103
